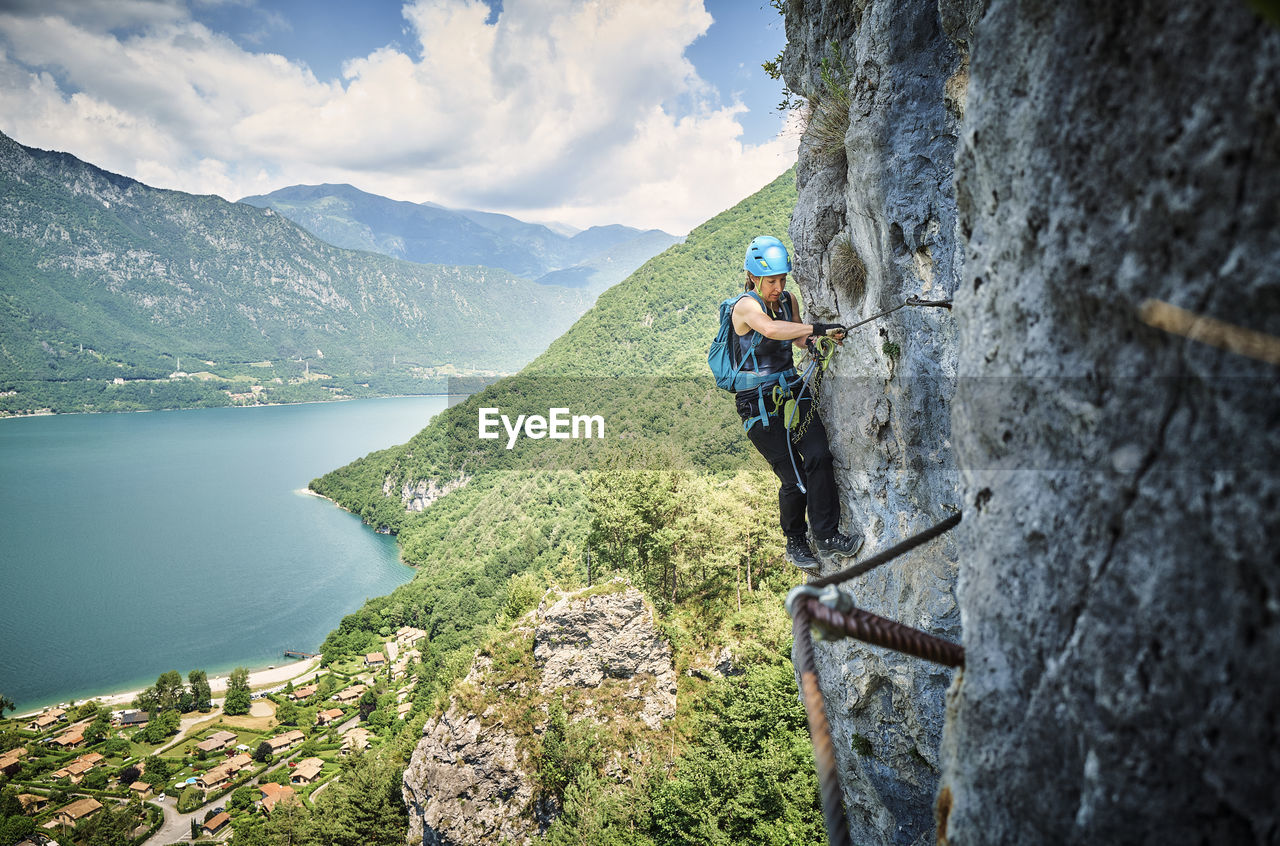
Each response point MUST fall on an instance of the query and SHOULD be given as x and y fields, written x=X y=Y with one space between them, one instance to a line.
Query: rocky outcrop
x=581 y=642
x=465 y=784
x=599 y=654
x=874 y=225
x=1120 y=605
x=419 y=496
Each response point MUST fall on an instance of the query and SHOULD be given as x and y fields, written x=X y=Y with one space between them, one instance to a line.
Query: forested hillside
x=673 y=497
x=108 y=286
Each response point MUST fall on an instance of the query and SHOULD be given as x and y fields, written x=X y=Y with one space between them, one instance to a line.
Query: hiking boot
x=840 y=544
x=799 y=554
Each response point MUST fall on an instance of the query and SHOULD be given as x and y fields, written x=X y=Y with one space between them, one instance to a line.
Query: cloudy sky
x=652 y=113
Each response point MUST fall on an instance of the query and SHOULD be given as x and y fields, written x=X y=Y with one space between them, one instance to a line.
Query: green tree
x=243 y=797
x=108 y=827
x=263 y=753
x=156 y=771
x=365 y=807
x=367 y=704
x=162 y=725
x=16 y=828
x=99 y=728
x=201 y=695
x=287 y=713
x=290 y=825
x=238 y=697
x=568 y=752
x=169 y=691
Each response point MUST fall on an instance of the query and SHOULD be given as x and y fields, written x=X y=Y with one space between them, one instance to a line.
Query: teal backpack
x=725 y=357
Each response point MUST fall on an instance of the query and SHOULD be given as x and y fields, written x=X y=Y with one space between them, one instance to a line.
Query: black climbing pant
x=813 y=460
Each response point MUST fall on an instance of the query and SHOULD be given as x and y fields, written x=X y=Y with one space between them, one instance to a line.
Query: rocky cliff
x=1054 y=165
x=874 y=225
x=1119 y=587
x=471 y=779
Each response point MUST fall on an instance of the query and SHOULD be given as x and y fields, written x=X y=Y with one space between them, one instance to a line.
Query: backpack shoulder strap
x=788 y=307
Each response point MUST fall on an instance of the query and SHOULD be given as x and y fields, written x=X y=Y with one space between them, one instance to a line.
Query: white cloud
x=554 y=111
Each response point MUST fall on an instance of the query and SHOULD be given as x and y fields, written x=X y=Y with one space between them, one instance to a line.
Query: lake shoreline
x=21 y=415
x=261 y=677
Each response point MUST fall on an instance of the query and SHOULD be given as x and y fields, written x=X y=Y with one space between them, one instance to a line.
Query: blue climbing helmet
x=766 y=256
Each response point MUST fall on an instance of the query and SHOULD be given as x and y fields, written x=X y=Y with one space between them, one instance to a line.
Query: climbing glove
x=832 y=329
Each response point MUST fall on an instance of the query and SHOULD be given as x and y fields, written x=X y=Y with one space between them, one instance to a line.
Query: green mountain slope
x=662 y=319
x=428 y=233
x=637 y=358
x=104 y=278
x=673 y=498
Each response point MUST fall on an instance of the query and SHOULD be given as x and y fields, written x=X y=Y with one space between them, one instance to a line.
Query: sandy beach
x=296 y=671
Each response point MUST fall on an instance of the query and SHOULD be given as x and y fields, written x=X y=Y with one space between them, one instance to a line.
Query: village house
x=273 y=794
x=408 y=635
x=326 y=717
x=302 y=693
x=32 y=803
x=375 y=659
x=46 y=719
x=77 y=810
x=11 y=761
x=239 y=762
x=75 y=771
x=222 y=772
x=351 y=694
x=140 y=789
x=218 y=741
x=355 y=740
x=217 y=823
x=69 y=739
x=132 y=717
x=403 y=709
x=281 y=742
x=214 y=777
x=307 y=771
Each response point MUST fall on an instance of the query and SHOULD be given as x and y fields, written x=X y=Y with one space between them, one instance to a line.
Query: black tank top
x=772 y=356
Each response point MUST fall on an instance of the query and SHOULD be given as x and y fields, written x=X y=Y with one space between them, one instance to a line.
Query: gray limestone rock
x=570 y=649
x=874 y=226
x=1119 y=588
x=468 y=781
x=1117 y=580
x=464 y=784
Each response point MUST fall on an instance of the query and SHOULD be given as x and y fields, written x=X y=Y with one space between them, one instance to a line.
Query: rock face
x=469 y=780
x=1117 y=585
x=419 y=496
x=581 y=642
x=874 y=225
x=464 y=784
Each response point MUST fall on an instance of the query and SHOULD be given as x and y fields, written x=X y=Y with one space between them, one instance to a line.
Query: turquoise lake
x=132 y=544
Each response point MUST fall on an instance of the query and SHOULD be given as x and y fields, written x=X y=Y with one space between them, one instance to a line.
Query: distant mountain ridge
x=345 y=216
x=103 y=278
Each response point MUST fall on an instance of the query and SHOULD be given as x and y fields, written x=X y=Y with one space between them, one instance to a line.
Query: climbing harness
x=832 y=611
x=787 y=404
